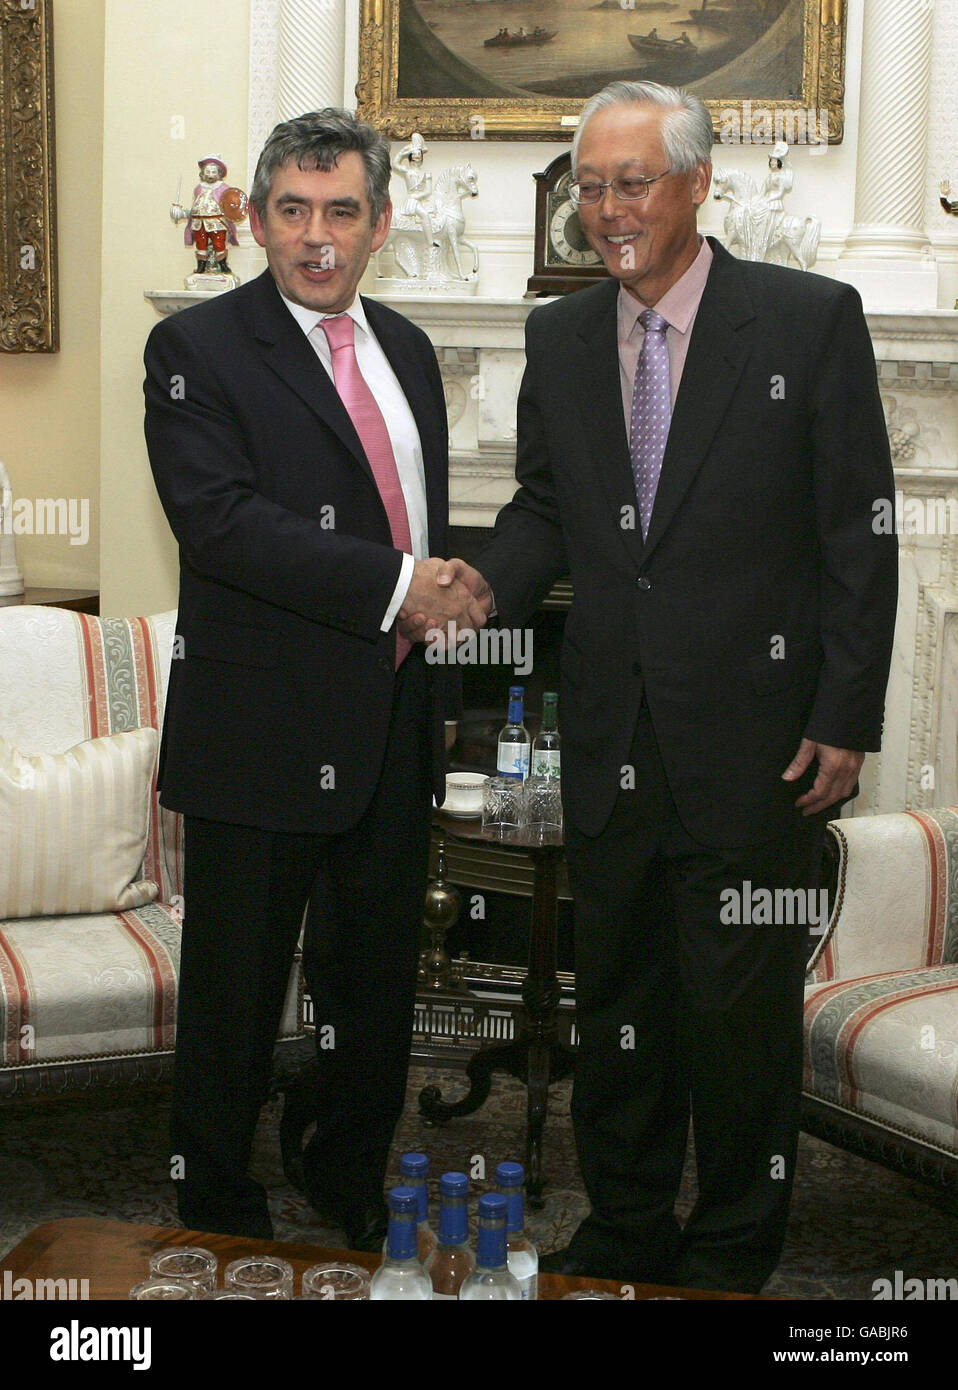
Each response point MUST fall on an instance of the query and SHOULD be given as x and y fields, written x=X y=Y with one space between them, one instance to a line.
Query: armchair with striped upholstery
x=881 y=1001
x=91 y=999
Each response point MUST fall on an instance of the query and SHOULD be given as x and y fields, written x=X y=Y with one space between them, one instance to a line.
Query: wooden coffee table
x=115 y=1255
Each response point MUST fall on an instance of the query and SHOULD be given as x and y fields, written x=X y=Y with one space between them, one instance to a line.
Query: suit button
x=385 y=664
x=644 y=582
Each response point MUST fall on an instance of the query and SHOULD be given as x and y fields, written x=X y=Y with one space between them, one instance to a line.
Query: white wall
x=49 y=402
x=175 y=88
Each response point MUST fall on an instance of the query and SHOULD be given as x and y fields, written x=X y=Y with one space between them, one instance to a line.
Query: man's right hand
x=436 y=605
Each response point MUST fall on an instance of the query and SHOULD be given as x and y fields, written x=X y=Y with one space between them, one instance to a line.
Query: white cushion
x=73 y=826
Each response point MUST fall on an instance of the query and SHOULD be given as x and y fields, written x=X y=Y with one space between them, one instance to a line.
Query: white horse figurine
x=756 y=223
x=425 y=261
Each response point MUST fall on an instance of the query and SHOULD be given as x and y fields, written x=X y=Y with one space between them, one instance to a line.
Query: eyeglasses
x=626 y=189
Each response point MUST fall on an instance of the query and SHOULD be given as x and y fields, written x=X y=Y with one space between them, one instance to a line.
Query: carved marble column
x=312 y=37
x=295 y=65
x=887 y=256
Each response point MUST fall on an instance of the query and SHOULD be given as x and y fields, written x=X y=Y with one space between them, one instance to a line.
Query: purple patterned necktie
x=651 y=413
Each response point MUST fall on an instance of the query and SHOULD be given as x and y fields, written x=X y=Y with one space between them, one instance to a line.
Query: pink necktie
x=369 y=424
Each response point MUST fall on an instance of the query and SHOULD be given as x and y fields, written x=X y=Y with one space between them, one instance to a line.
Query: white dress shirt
x=399 y=421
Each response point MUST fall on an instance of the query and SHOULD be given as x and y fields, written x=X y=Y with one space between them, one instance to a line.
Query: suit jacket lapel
x=718 y=351
x=599 y=388
x=286 y=350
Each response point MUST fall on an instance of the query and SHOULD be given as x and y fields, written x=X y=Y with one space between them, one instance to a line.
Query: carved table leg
x=535 y=1057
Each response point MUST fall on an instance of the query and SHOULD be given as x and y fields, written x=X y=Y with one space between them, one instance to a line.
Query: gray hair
x=686 y=127
x=315 y=141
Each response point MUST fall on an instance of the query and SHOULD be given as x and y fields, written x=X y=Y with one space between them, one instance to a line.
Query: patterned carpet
x=102 y=1154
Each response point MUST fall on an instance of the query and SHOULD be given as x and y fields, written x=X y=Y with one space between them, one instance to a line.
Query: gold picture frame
x=28 y=259
x=401 y=50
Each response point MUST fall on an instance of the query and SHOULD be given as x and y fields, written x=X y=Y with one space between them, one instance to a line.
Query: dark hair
x=315 y=141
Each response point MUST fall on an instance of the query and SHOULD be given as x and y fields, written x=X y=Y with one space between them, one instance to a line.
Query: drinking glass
x=166 y=1288
x=265 y=1276
x=335 y=1280
x=502 y=807
x=189 y=1262
x=542 y=818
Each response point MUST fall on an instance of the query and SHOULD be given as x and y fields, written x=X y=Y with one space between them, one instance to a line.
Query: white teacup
x=464 y=793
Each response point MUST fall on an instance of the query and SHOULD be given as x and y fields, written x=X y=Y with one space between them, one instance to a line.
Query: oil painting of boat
x=505 y=39
x=667 y=50
x=443 y=64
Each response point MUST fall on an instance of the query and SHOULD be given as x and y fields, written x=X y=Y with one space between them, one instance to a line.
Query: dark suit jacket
x=278 y=711
x=761 y=608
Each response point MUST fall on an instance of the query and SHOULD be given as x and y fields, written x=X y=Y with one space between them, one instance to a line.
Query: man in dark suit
x=297 y=435
x=700 y=445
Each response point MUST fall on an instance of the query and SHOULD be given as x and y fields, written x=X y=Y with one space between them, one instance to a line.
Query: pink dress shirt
x=679 y=305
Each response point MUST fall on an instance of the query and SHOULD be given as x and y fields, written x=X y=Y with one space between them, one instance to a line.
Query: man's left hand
x=838 y=770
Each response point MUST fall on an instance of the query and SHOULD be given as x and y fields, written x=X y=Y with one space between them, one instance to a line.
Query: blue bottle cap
x=414 y=1165
x=454 y=1185
x=493 y=1206
x=403 y=1200
x=510 y=1175
x=517 y=692
x=491 y=1245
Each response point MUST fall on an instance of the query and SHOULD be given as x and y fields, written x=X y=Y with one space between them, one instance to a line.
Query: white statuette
x=757 y=227
x=425 y=242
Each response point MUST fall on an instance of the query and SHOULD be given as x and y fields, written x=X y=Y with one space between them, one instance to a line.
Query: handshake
x=441 y=592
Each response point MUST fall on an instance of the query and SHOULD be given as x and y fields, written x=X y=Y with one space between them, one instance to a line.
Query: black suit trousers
x=246 y=892
x=680 y=1013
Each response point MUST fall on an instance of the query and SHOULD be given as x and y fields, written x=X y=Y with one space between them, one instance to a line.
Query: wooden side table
x=536 y=1057
x=77 y=600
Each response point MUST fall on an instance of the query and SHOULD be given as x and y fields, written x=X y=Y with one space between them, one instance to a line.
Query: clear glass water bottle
x=546 y=755
x=401 y=1276
x=491 y=1278
x=414 y=1170
x=523 y=1257
x=451 y=1261
x=514 y=745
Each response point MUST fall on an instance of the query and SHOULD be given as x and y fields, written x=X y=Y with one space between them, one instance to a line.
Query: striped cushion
x=73 y=826
x=885 y=1046
x=79 y=988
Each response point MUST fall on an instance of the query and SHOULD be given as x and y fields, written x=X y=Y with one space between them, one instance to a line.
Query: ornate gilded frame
x=28 y=259
x=543 y=118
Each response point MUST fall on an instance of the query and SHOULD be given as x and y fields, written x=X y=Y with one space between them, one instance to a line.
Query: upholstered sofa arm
x=896 y=900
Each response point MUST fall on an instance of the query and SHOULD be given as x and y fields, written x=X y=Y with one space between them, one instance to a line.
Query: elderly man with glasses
x=700 y=445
